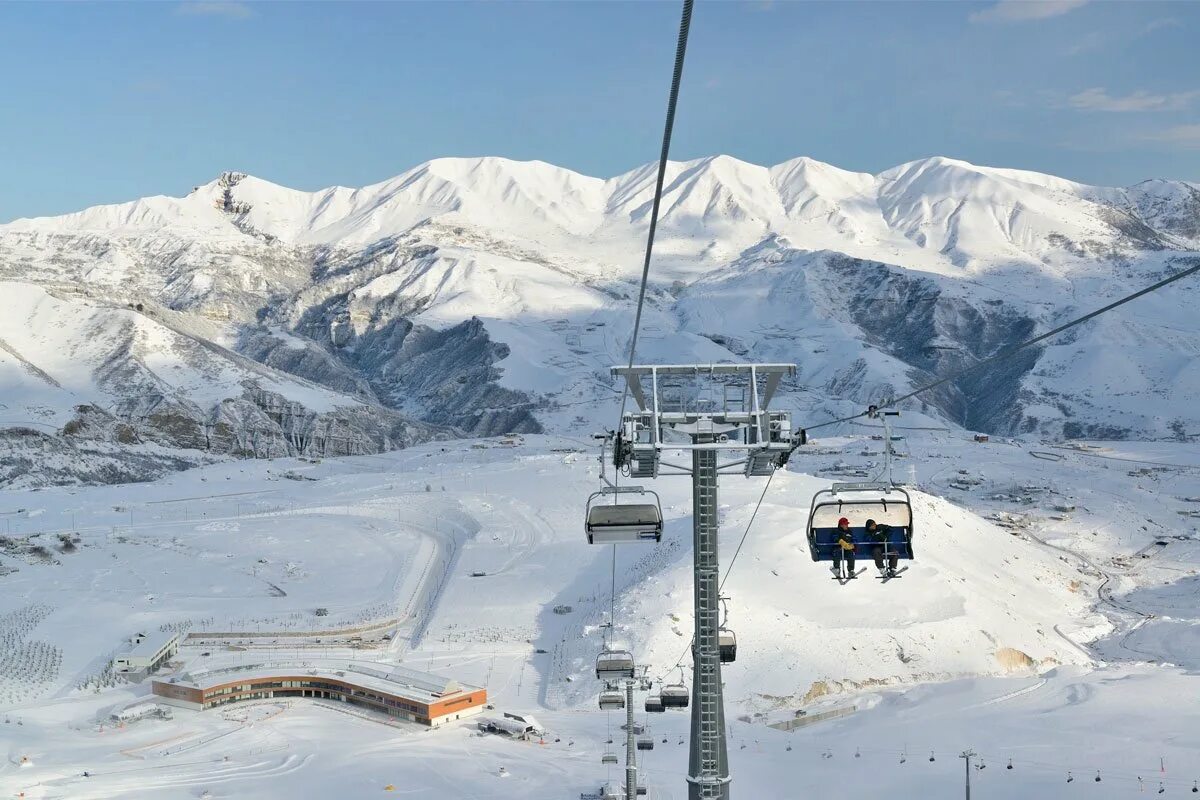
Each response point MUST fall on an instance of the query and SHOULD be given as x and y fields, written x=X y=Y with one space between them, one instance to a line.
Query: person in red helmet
x=843 y=550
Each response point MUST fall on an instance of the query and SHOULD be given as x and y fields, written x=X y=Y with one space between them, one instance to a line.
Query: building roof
x=150 y=645
x=421 y=687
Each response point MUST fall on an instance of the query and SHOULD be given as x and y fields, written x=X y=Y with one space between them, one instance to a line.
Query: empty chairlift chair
x=858 y=502
x=675 y=695
x=727 y=643
x=654 y=704
x=608 y=758
x=645 y=743
x=612 y=700
x=617 y=523
x=613 y=665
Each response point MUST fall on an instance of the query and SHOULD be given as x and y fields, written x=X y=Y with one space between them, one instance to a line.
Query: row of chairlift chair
x=622 y=522
x=615 y=665
x=618 y=523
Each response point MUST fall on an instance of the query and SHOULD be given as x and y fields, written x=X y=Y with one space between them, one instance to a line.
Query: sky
x=106 y=101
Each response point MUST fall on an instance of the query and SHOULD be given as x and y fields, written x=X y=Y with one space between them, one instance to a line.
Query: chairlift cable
x=745 y=533
x=685 y=24
x=1009 y=352
x=612 y=598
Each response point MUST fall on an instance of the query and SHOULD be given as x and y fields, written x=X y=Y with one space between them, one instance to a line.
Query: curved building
x=397 y=691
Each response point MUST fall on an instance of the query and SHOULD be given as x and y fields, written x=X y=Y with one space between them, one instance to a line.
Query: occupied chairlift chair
x=645 y=742
x=882 y=501
x=654 y=704
x=886 y=504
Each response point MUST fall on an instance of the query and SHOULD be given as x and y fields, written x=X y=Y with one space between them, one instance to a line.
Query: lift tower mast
x=738 y=423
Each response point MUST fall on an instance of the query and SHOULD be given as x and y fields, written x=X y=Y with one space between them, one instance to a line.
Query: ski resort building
x=399 y=692
x=146 y=653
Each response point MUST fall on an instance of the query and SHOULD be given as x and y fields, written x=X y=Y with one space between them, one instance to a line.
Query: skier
x=879 y=537
x=843 y=549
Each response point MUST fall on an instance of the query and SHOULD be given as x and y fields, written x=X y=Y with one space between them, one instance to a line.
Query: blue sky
x=105 y=102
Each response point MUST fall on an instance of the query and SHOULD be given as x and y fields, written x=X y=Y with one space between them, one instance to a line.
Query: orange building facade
x=417 y=697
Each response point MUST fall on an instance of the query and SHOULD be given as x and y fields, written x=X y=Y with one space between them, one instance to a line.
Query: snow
x=1042 y=620
x=1023 y=638
x=955 y=204
x=769 y=260
x=56 y=351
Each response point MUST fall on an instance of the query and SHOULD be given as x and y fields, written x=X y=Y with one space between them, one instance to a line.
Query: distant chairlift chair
x=675 y=695
x=612 y=700
x=727 y=643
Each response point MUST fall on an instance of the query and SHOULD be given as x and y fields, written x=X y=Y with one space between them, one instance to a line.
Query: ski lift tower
x=739 y=424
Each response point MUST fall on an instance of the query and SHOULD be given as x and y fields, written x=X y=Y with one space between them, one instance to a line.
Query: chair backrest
x=624 y=515
x=824 y=544
x=896 y=513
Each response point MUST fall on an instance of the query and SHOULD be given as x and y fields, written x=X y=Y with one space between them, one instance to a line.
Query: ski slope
x=1023 y=635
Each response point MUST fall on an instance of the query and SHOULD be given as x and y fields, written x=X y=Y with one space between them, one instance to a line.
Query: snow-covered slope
x=138 y=376
x=491 y=295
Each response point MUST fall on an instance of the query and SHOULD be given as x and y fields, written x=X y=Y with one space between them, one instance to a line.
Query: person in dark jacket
x=843 y=549
x=878 y=534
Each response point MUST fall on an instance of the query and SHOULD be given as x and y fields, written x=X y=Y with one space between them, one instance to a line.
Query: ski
x=896 y=574
x=844 y=579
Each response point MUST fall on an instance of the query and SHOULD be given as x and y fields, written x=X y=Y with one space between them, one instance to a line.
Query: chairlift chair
x=612 y=700
x=645 y=743
x=675 y=695
x=618 y=523
x=886 y=504
x=613 y=665
x=608 y=758
x=727 y=644
x=654 y=704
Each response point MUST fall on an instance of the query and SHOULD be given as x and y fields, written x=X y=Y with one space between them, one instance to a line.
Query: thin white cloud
x=1180 y=135
x=216 y=8
x=1098 y=99
x=1021 y=10
x=1164 y=22
x=1088 y=42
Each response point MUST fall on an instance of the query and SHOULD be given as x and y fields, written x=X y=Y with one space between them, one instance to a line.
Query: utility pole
x=966 y=756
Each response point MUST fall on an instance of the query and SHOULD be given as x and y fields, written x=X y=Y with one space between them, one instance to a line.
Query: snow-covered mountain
x=476 y=296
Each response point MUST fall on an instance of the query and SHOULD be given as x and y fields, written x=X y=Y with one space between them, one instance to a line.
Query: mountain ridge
x=481 y=296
